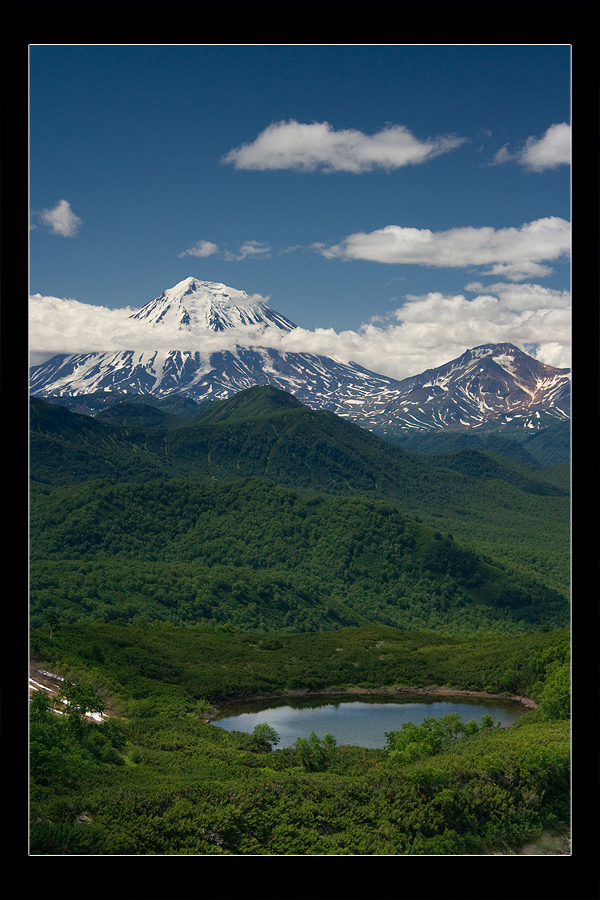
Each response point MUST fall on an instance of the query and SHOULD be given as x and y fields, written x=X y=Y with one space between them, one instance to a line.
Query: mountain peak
x=211 y=290
x=260 y=400
x=507 y=353
x=489 y=383
x=196 y=305
x=491 y=349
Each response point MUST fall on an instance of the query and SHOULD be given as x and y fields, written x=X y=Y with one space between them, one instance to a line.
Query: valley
x=259 y=548
x=250 y=523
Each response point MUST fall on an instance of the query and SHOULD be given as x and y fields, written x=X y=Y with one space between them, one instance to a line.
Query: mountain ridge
x=488 y=386
x=490 y=383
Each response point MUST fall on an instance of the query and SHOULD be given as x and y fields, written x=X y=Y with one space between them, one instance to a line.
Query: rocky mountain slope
x=490 y=385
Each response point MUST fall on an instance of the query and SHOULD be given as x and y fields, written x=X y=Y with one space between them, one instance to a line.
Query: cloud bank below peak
x=425 y=331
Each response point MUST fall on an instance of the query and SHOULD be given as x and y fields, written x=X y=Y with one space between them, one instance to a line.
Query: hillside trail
x=40 y=679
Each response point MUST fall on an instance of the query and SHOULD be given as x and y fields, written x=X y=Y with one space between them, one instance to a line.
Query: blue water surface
x=360 y=722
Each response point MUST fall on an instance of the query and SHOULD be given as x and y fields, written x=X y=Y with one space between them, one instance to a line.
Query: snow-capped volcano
x=209 y=370
x=228 y=335
x=196 y=306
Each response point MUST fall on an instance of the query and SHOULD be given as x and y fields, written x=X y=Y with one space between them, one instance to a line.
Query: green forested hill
x=517 y=513
x=550 y=481
x=551 y=445
x=259 y=555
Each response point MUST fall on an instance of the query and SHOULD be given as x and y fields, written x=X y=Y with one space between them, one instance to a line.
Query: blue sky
x=407 y=200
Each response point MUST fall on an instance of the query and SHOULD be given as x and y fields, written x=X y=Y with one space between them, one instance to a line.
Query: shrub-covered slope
x=157 y=778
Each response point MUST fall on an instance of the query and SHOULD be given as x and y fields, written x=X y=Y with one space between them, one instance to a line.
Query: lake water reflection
x=360 y=722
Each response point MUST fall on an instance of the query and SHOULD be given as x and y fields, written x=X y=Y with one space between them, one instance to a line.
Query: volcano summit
x=206 y=305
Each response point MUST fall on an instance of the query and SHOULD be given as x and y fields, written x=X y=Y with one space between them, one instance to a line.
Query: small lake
x=359 y=722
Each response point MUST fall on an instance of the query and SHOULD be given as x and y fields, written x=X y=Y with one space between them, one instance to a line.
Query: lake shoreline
x=433 y=691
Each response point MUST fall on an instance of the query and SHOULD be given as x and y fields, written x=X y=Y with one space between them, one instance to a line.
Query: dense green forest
x=550 y=445
x=513 y=511
x=256 y=554
x=254 y=547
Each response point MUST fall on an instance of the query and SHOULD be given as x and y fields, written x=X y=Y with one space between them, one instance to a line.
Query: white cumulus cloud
x=308 y=147
x=202 y=249
x=515 y=252
x=550 y=151
x=431 y=329
x=60 y=219
x=553 y=149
